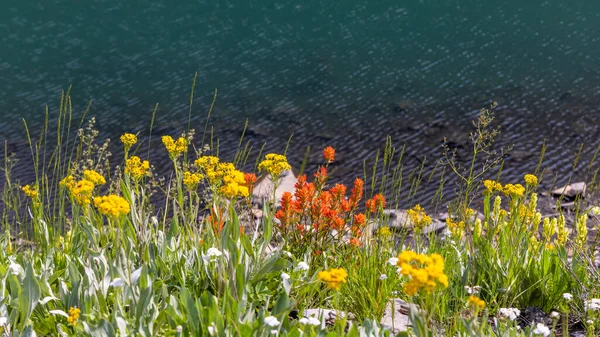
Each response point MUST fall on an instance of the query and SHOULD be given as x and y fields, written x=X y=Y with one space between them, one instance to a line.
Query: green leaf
x=29 y=295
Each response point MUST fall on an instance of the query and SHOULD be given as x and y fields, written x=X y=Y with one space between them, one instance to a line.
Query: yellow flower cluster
x=516 y=190
x=175 y=147
x=73 y=316
x=224 y=176
x=418 y=217
x=128 y=140
x=492 y=186
x=333 y=277
x=274 y=164
x=30 y=191
x=425 y=271
x=531 y=180
x=137 y=168
x=581 y=230
x=81 y=191
x=191 y=180
x=561 y=232
x=476 y=302
x=94 y=177
x=112 y=205
x=384 y=231
x=456 y=228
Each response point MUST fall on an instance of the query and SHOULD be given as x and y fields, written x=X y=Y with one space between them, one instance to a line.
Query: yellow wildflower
x=191 y=180
x=456 y=228
x=418 y=217
x=175 y=147
x=582 y=230
x=68 y=182
x=30 y=191
x=384 y=231
x=112 y=205
x=492 y=186
x=530 y=180
x=562 y=232
x=207 y=162
x=424 y=271
x=477 y=228
x=136 y=168
x=234 y=184
x=476 y=303
x=128 y=140
x=82 y=192
x=333 y=277
x=274 y=164
x=73 y=316
x=94 y=177
x=514 y=190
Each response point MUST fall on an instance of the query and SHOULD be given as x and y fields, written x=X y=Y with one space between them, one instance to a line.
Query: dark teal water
x=344 y=73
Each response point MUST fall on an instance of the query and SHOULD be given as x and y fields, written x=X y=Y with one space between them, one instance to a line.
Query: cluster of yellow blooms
x=425 y=271
x=191 y=180
x=418 y=217
x=456 y=228
x=511 y=190
x=137 y=168
x=384 y=231
x=476 y=302
x=492 y=186
x=31 y=192
x=81 y=191
x=73 y=316
x=175 y=147
x=514 y=190
x=333 y=277
x=530 y=180
x=112 y=205
x=224 y=176
x=274 y=164
x=128 y=140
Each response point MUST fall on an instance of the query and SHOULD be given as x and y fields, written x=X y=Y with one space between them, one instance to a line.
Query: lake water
x=341 y=73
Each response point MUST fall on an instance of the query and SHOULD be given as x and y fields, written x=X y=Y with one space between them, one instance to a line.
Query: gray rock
x=263 y=189
x=395 y=317
x=571 y=191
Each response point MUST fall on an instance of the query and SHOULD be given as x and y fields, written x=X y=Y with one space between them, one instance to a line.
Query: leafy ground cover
x=85 y=251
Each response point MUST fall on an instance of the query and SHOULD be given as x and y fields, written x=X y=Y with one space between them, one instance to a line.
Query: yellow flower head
x=424 y=271
x=73 y=316
x=491 y=186
x=137 y=168
x=112 y=205
x=476 y=303
x=456 y=228
x=207 y=162
x=128 y=140
x=175 y=147
x=384 y=231
x=274 y=164
x=191 y=180
x=418 y=217
x=516 y=190
x=94 y=177
x=531 y=180
x=30 y=191
x=333 y=277
x=82 y=192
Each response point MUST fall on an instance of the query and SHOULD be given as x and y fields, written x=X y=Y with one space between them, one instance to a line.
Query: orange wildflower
x=329 y=154
x=378 y=201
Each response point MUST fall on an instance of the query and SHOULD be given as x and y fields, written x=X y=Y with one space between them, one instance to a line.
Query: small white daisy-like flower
x=567 y=296
x=309 y=321
x=541 y=329
x=510 y=313
x=393 y=261
x=593 y=304
x=589 y=321
x=554 y=315
x=302 y=266
x=383 y=277
x=271 y=321
x=472 y=290
x=285 y=276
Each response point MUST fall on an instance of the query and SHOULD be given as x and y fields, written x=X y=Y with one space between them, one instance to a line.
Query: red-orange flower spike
x=357 y=193
x=329 y=154
x=320 y=176
x=355 y=242
x=301 y=181
x=250 y=179
x=378 y=201
x=286 y=214
x=359 y=219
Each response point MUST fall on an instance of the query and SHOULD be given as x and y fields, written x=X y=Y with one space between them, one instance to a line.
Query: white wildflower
x=593 y=304
x=285 y=276
x=303 y=266
x=541 y=329
x=567 y=296
x=595 y=210
x=554 y=315
x=309 y=321
x=393 y=261
x=212 y=252
x=274 y=332
x=383 y=277
x=271 y=321
x=3 y=321
x=472 y=290
x=589 y=321
x=510 y=313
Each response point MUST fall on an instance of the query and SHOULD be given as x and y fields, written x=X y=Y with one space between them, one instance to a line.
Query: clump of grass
x=105 y=260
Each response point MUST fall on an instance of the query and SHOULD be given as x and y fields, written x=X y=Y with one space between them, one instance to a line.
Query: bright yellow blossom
x=476 y=302
x=73 y=316
x=531 y=180
x=175 y=147
x=333 y=277
x=128 y=140
x=191 y=180
x=112 y=205
x=424 y=271
x=94 y=177
x=513 y=190
x=274 y=164
x=492 y=186
x=137 y=168
x=418 y=217
x=82 y=192
x=31 y=192
x=207 y=162
x=456 y=228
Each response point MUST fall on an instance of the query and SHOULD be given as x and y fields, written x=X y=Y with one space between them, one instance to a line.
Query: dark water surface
x=341 y=73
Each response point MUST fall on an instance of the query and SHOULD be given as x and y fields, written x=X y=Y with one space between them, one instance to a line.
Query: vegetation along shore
x=251 y=246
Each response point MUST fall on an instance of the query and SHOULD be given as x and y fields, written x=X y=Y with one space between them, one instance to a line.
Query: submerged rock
x=571 y=191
